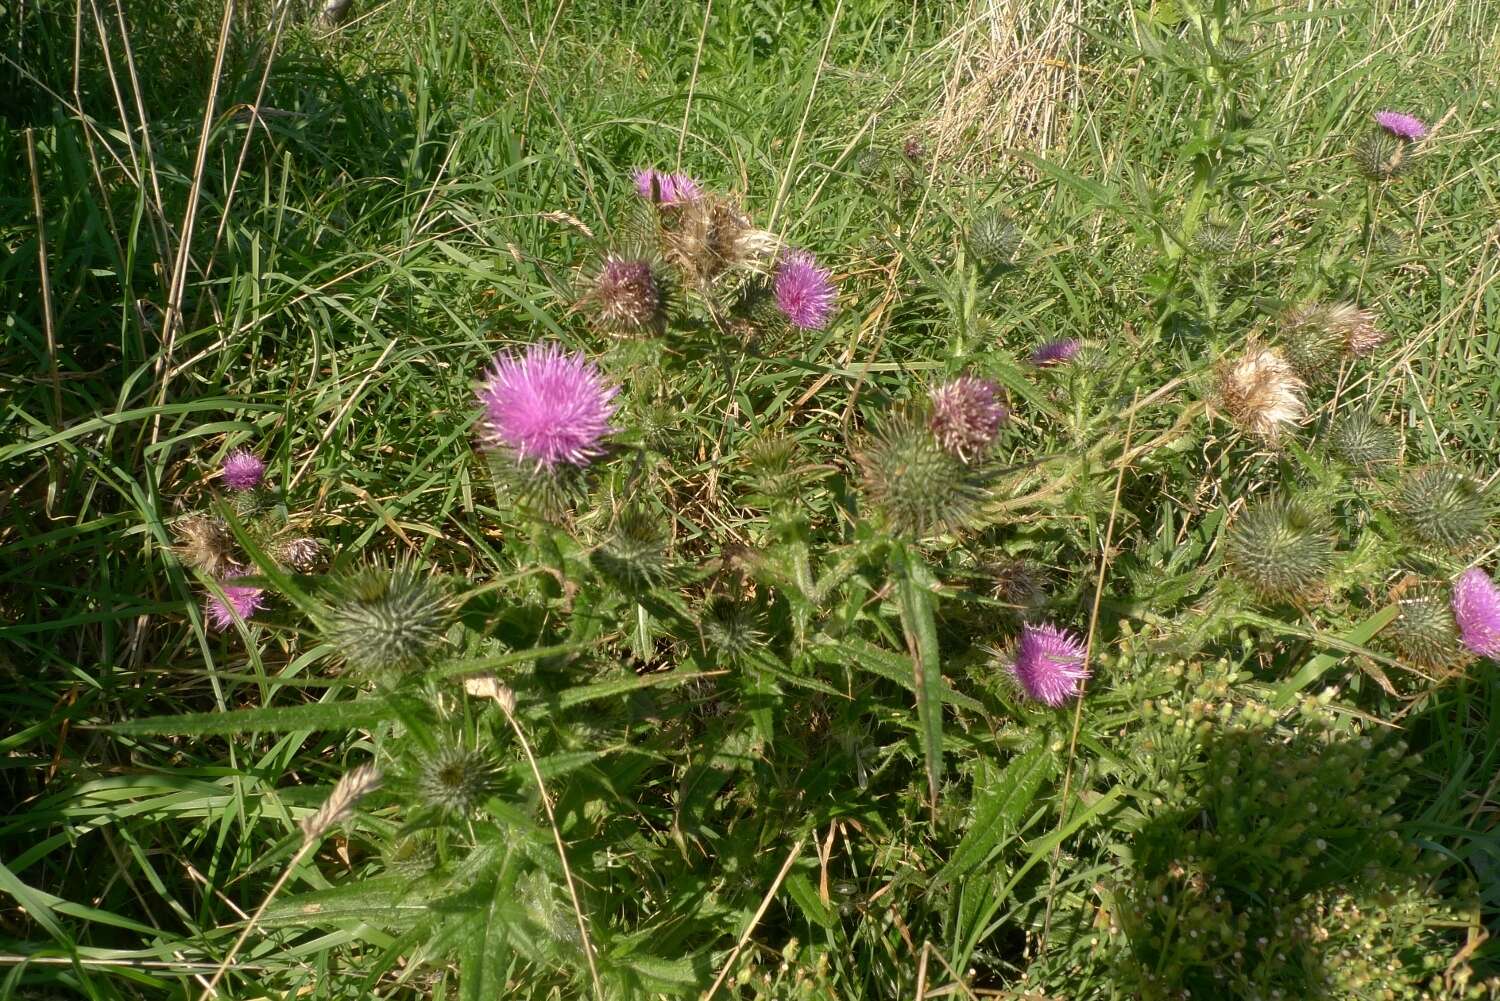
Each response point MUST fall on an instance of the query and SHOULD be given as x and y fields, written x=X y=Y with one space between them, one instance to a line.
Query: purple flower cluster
x=1049 y=664
x=666 y=188
x=1055 y=352
x=547 y=407
x=1476 y=610
x=242 y=470
x=238 y=603
x=966 y=415
x=1401 y=125
x=804 y=293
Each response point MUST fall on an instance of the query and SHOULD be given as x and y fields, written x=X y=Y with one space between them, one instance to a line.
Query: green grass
x=791 y=758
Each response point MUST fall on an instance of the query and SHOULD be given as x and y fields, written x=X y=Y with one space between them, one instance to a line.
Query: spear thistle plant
x=546 y=407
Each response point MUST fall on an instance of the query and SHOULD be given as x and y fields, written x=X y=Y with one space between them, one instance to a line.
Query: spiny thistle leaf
x=1281 y=548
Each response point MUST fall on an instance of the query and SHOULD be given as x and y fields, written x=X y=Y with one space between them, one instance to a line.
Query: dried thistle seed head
x=301 y=554
x=1382 y=156
x=412 y=856
x=634 y=555
x=628 y=294
x=917 y=486
x=1425 y=633
x=1443 y=506
x=386 y=618
x=1018 y=582
x=205 y=544
x=1261 y=393
x=1364 y=441
x=456 y=779
x=730 y=629
x=706 y=236
x=1281 y=548
x=993 y=238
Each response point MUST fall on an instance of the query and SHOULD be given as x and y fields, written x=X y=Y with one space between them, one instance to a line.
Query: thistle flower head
x=628 y=294
x=993 y=238
x=301 y=554
x=1381 y=155
x=205 y=544
x=804 y=293
x=913 y=148
x=456 y=779
x=1401 y=125
x=966 y=415
x=1261 y=393
x=666 y=188
x=1476 y=610
x=1281 y=548
x=239 y=602
x=1443 y=506
x=917 y=485
x=546 y=407
x=1364 y=441
x=634 y=555
x=1425 y=633
x=1056 y=352
x=730 y=629
x=242 y=470
x=385 y=618
x=1049 y=664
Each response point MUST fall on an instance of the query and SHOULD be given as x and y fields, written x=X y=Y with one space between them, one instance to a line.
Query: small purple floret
x=670 y=188
x=239 y=603
x=1055 y=352
x=966 y=415
x=1399 y=124
x=547 y=407
x=1049 y=664
x=1476 y=610
x=243 y=470
x=804 y=293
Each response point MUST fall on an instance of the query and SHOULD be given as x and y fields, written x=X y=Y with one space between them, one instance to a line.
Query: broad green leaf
x=998 y=809
x=360 y=714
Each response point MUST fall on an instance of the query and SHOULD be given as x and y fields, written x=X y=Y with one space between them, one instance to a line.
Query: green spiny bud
x=634 y=555
x=1281 y=548
x=871 y=161
x=1425 y=633
x=730 y=629
x=412 y=857
x=919 y=487
x=1443 y=506
x=1381 y=155
x=456 y=779
x=993 y=238
x=247 y=504
x=386 y=618
x=771 y=464
x=1215 y=237
x=1364 y=441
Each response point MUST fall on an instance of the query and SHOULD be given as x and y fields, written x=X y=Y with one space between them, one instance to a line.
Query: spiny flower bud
x=729 y=629
x=1261 y=393
x=634 y=555
x=628 y=294
x=412 y=857
x=919 y=487
x=993 y=239
x=1215 y=237
x=385 y=619
x=1425 y=634
x=1320 y=333
x=1364 y=441
x=1281 y=548
x=871 y=161
x=205 y=544
x=1381 y=155
x=771 y=464
x=1443 y=506
x=456 y=779
x=966 y=415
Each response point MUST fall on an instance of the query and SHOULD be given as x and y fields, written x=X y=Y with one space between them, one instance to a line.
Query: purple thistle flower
x=804 y=293
x=239 y=602
x=966 y=415
x=1055 y=352
x=1476 y=610
x=242 y=470
x=547 y=406
x=670 y=188
x=1049 y=664
x=1401 y=125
